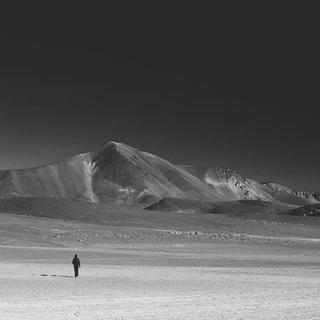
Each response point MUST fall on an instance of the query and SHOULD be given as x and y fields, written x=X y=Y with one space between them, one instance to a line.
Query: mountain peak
x=113 y=149
x=118 y=171
x=114 y=143
x=113 y=146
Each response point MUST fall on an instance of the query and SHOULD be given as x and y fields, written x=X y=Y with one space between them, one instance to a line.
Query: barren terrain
x=220 y=268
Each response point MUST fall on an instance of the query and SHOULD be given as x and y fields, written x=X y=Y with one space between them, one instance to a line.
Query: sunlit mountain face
x=119 y=173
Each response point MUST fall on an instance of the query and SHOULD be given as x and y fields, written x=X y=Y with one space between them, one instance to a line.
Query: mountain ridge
x=116 y=172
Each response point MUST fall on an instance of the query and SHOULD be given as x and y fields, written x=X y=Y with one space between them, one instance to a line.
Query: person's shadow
x=52 y=275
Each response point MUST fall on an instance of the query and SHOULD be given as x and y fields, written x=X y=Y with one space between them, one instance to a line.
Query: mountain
x=118 y=173
x=288 y=195
x=71 y=178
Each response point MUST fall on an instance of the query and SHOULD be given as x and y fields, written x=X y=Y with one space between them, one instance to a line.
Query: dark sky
x=236 y=87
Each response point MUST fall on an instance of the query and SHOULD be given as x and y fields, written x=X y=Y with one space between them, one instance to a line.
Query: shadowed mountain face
x=119 y=173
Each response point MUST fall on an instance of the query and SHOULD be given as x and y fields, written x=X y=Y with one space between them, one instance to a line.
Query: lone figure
x=76 y=265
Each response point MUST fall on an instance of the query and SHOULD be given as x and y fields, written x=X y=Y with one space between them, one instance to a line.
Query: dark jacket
x=76 y=262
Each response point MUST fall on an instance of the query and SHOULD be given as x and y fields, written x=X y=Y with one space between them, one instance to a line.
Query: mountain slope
x=119 y=173
x=122 y=171
x=284 y=194
x=228 y=184
x=69 y=179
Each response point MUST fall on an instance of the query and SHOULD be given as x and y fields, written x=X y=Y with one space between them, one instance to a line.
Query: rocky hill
x=118 y=173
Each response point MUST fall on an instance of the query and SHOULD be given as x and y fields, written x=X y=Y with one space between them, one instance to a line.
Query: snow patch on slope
x=83 y=165
x=87 y=166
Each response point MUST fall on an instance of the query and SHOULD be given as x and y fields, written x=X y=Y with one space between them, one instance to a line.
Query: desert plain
x=160 y=266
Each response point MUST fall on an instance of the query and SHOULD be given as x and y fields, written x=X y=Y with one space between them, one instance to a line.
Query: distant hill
x=229 y=207
x=311 y=210
x=119 y=174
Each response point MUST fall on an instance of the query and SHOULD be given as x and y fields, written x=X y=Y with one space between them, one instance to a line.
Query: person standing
x=76 y=265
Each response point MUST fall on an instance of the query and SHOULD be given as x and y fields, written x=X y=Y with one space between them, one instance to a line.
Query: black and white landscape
x=173 y=147
x=155 y=240
x=118 y=174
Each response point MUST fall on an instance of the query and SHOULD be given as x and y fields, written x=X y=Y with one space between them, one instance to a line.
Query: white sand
x=161 y=281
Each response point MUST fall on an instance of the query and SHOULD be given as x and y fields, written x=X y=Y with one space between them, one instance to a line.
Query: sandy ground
x=223 y=268
x=161 y=281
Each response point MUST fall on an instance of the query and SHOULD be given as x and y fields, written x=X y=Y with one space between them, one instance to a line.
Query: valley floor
x=154 y=278
x=140 y=281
